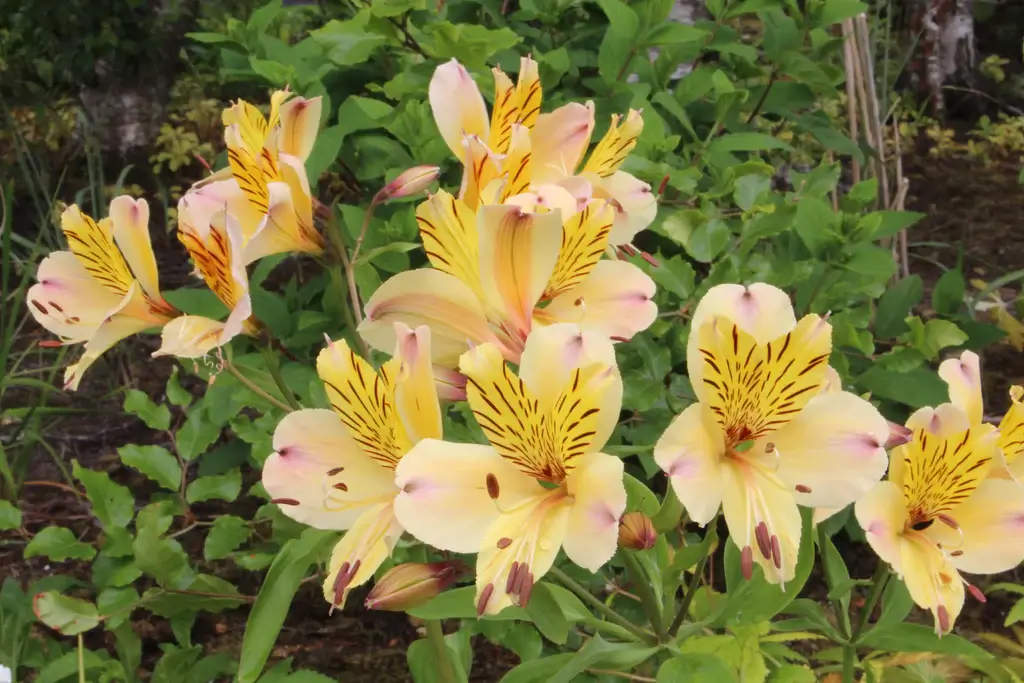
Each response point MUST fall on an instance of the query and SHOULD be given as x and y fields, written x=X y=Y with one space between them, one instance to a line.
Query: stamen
x=341 y=486
x=956 y=553
x=650 y=259
x=948 y=521
x=942 y=614
x=485 y=596
x=346 y=573
x=526 y=590
x=492 y=486
x=776 y=552
x=513 y=576
x=284 y=501
x=504 y=542
x=803 y=489
x=747 y=562
x=336 y=471
x=922 y=525
x=764 y=543
x=976 y=592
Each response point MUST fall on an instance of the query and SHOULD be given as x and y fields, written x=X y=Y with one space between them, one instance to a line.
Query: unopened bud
x=409 y=182
x=898 y=435
x=636 y=531
x=413 y=584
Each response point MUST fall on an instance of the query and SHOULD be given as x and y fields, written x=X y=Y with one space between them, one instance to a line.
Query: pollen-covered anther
x=485 y=596
x=948 y=521
x=776 y=552
x=802 y=488
x=340 y=486
x=942 y=614
x=504 y=542
x=519 y=584
x=976 y=592
x=956 y=553
x=284 y=501
x=769 y=448
x=764 y=543
x=747 y=562
x=346 y=572
x=336 y=471
x=650 y=259
x=492 y=486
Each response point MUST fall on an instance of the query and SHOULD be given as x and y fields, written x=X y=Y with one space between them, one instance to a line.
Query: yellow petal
x=416 y=404
x=428 y=297
x=616 y=299
x=448 y=230
x=755 y=389
x=559 y=140
x=68 y=301
x=518 y=252
x=990 y=538
x=517 y=167
x=636 y=206
x=320 y=475
x=616 y=145
x=584 y=240
x=253 y=173
x=444 y=499
x=216 y=250
x=882 y=515
x=1011 y=429
x=300 y=123
x=457 y=104
x=111 y=331
x=528 y=92
x=93 y=244
x=599 y=500
x=247 y=125
x=933 y=582
x=130 y=220
x=963 y=376
x=360 y=552
x=833 y=451
x=276 y=99
x=284 y=228
x=198 y=206
x=191 y=336
x=504 y=113
x=481 y=168
x=691 y=452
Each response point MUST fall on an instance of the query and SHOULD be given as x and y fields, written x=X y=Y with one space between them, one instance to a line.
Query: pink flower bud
x=636 y=531
x=409 y=182
x=898 y=435
x=413 y=584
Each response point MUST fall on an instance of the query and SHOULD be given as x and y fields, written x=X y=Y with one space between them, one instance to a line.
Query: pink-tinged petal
x=190 y=336
x=691 y=453
x=67 y=300
x=580 y=188
x=130 y=218
x=428 y=297
x=518 y=252
x=198 y=206
x=599 y=501
x=832 y=452
x=450 y=384
x=446 y=492
x=882 y=515
x=415 y=395
x=1011 y=432
x=113 y=330
x=288 y=225
x=319 y=475
x=963 y=376
x=931 y=579
x=992 y=526
x=616 y=299
x=560 y=139
x=636 y=206
x=458 y=106
x=300 y=123
x=360 y=552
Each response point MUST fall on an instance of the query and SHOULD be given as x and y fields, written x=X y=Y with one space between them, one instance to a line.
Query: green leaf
x=116 y=605
x=834 y=11
x=695 y=668
x=10 y=516
x=895 y=305
x=113 y=504
x=918 y=388
x=619 y=42
x=208 y=593
x=815 y=224
x=675 y=275
x=598 y=653
x=538 y=670
x=746 y=142
x=155 y=416
x=1015 y=615
x=425 y=667
x=891 y=222
x=524 y=640
x=792 y=673
x=918 y=638
x=69 y=616
x=271 y=606
x=547 y=615
x=460 y=603
x=472 y=44
x=58 y=544
x=349 y=42
x=176 y=393
x=896 y=605
x=639 y=497
x=325 y=151
x=227 y=534
x=221 y=487
x=948 y=295
x=156 y=462
x=394 y=8
x=197 y=434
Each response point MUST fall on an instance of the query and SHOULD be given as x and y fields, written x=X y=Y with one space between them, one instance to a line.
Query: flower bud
x=636 y=531
x=898 y=435
x=413 y=584
x=408 y=182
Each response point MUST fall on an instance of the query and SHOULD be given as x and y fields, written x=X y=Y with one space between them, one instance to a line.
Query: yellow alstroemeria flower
x=963 y=376
x=265 y=187
x=940 y=512
x=542 y=484
x=521 y=149
x=334 y=469
x=501 y=271
x=768 y=432
x=105 y=288
x=213 y=240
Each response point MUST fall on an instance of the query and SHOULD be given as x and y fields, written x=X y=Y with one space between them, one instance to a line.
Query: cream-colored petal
x=992 y=526
x=130 y=218
x=963 y=376
x=882 y=515
x=320 y=475
x=691 y=452
x=636 y=206
x=457 y=104
x=559 y=140
x=599 y=500
x=933 y=582
x=190 y=336
x=444 y=499
x=360 y=552
x=67 y=300
x=833 y=451
x=428 y=297
x=113 y=330
x=300 y=123
x=198 y=206
x=616 y=300
x=416 y=401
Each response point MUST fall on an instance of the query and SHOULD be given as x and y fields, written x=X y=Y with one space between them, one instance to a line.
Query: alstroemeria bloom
x=542 y=483
x=105 y=288
x=963 y=376
x=524 y=150
x=334 y=469
x=769 y=431
x=501 y=271
x=214 y=243
x=266 y=188
x=940 y=513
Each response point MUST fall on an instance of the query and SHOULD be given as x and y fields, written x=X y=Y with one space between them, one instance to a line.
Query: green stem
x=642 y=584
x=842 y=614
x=251 y=386
x=691 y=591
x=274 y=365
x=606 y=611
x=444 y=663
x=349 y=300
x=849 y=662
x=878 y=582
x=81 y=660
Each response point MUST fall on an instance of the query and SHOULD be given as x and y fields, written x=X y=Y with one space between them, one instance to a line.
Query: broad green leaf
x=1015 y=615
x=58 y=544
x=460 y=603
x=472 y=44
x=948 y=295
x=834 y=11
x=197 y=434
x=539 y=670
x=162 y=558
x=325 y=151
x=10 y=516
x=918 y=638
x=917 y=388
x=394 y=8
x=746 y=142
x=156 y=462
x=815 y=224
x=425 y=667
x=113 y=504
x=116 y=604
x=547 y=615
x=221 y=487
x=619 y=42
x=63 y=668
x=66 y=615
x=524 y=640
x=599 y=653
x=695 y=668
x=895 y=305
x=155 y=416
x=888 y=223
x=206 y=593
x=896 y=605
x=639 y=497
x=228 y=532
x=177 y=394
x=348 y=42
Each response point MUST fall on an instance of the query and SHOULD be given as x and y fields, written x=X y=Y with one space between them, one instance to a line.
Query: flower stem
x=248 y=384
x=274 y=365
x=643 y=587
x=604 y=609
x=849 y=662
x=444 y=663
x=878 y=582
x=353 y=309
x=691 y=591
x=842 y=614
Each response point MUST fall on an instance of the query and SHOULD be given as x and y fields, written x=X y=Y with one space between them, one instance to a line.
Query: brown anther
x=284 y=501
x=336 y=471
x=75 y=319
x=942 y=614
x=504 y=542
x=346 y=572
x=776 y=552
x=492 y=486
x=341 y=486
x=747 y=562
x=50 y=344
x=522 y=577
x=976 y=592
x=764 y=543
x=627 y=249
x=948 y=521
x=526 y=590
x=650 y=259
x=956 y=553
x=769 y=448
x=485 y=596
x=802 y=488
x=55 y=306
x=513 y=576
x=42 y=308
x=618 y=339
x=663 y=185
